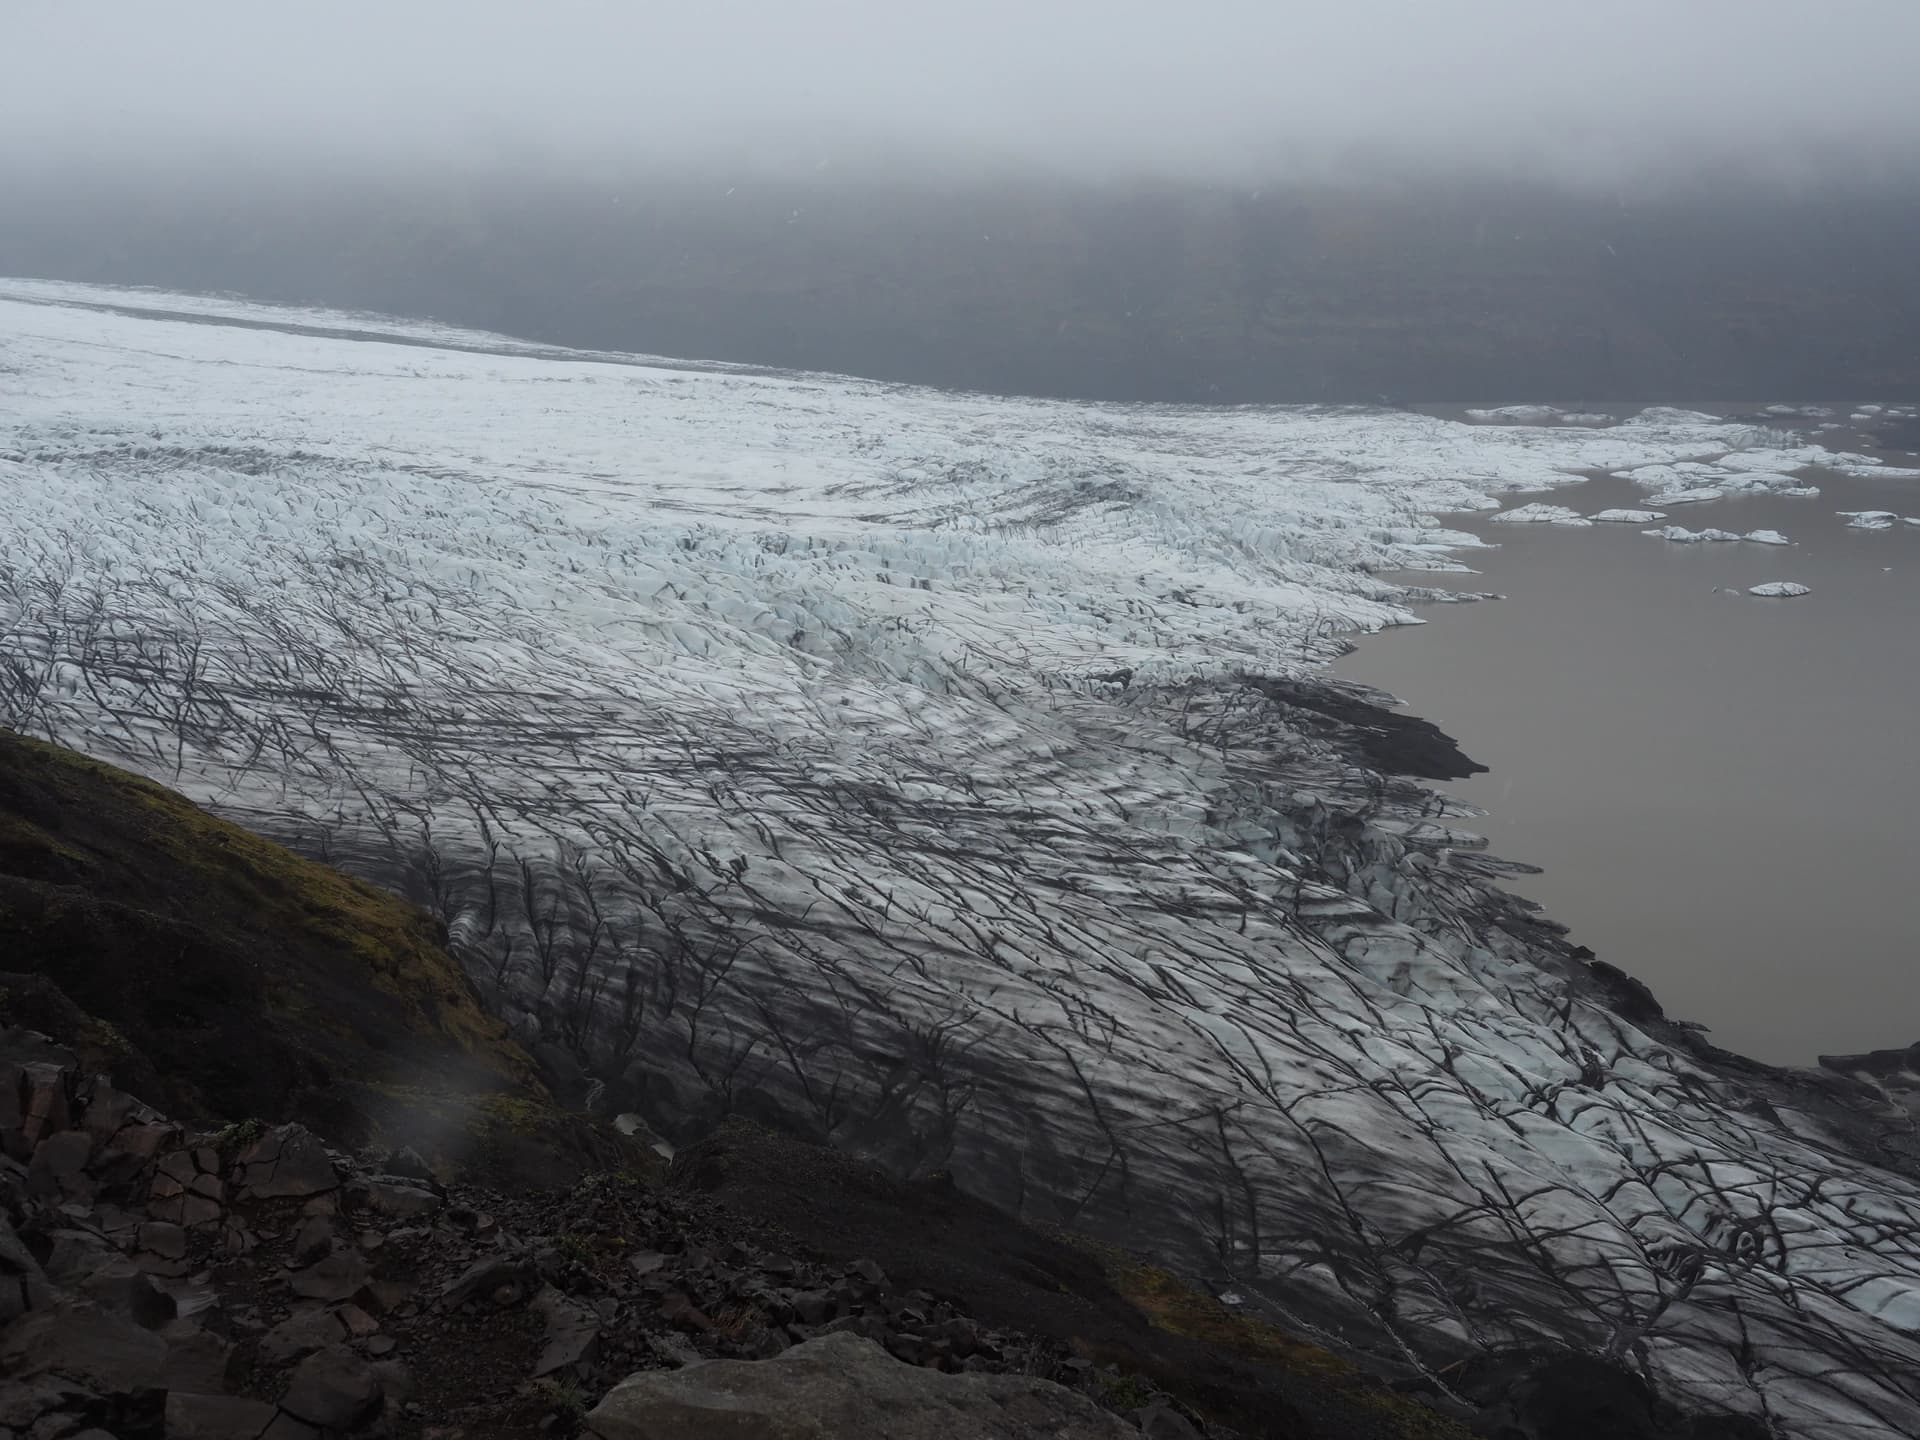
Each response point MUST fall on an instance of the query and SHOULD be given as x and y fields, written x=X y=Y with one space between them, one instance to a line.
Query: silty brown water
x=1722 y=789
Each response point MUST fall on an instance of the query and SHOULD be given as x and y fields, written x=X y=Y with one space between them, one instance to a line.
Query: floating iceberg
x=1628 y=517
x=1537 y=415
x=1542 y=515
x=1697 y=496
x=1779 y=589
x=1870 y=519
x=1680 y=535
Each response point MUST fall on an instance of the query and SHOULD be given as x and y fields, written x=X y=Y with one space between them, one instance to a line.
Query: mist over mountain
x=1233 y=201
x=1396 y=290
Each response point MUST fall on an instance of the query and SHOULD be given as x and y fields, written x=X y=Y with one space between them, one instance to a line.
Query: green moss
x=1124 y=1392
x=1170 y=1304
x=105 y=1036
x=1173 y=1305
x=247 y=884
x=515 y=1113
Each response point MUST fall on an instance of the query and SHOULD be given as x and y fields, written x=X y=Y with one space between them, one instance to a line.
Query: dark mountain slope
x=1429 y=290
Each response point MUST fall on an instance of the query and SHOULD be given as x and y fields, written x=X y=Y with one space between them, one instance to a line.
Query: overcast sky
x=1587 y=88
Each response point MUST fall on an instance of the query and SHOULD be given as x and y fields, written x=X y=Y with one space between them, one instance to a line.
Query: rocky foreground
x=243 y=1275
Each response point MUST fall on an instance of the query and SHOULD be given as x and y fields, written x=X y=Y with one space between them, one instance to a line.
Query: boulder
x=23 y=1286
x=340 y=1276
x=573 y=1331
x=83 y=1342
x=334 y=1389
x=58 y=1170
x=216 y=1417
x=197 y=1363
x=287 y=1162
x=300 y=1335
x=841 y=1387
x=393 y=1197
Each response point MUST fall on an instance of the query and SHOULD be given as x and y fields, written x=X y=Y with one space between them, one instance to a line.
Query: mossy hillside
x=249 y=975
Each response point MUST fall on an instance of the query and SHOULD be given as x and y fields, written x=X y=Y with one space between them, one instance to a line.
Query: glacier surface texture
x=954 y=778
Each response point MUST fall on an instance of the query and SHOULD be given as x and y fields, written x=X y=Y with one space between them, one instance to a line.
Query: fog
x=1604 y=90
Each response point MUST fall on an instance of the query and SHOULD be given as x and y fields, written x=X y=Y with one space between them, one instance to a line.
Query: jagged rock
x=123 y=1288
x=198 y=1363
x=358 y=1322
x=76 y=1254
x=814 y=1307
x=396 y=1381
x=1163 y=1422
x=110 y=1110
x=339 y=1276
x=132 y=1147
x=287 y=1162
x=59 y=1166
x=645 y=1262
x=334 y=1389
x=314 y=1241
x=844 y=1388
x=23 y=1284
x=23 y=1401
x=216 y=1417
x=83 y=1342
x=394 y=1198
x=162 y=1238
x=677 y=1309
x=300 y=1335
x=494 y=1277
x=44 y=1106
x=573 y=1332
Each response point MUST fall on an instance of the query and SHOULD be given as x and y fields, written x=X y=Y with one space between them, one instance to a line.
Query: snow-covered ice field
x=902 y=763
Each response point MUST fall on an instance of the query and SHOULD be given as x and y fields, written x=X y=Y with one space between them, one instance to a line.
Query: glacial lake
x=1722 y=790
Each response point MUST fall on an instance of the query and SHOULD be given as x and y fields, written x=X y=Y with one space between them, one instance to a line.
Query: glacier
x=955 y=779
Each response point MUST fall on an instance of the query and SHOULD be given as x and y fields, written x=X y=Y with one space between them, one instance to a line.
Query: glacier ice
x=1538 y=415
x=1541 y=515
x=1628 y=517
x=1694 y=495
x=1683 y=536
x=906 y=765
x=1779 y=589
x=1870 y=519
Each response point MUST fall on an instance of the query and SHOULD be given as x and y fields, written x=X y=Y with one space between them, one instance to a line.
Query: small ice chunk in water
x=1779 y=590
x=1695 y=496
x=1542 y=515
x=1767 y=537
x=1537 y=415
x=1630 y=517
x=1870 y=519
x=1683 y=536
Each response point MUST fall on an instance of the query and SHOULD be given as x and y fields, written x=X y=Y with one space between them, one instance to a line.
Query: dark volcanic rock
x=1368 y=732
x=847 y=1389
x=83 y=1342
x=288 y=1161
x=334 y=1389
x=216 y=1417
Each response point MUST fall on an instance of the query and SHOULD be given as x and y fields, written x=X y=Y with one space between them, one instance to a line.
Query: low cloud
x=1601 y=90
